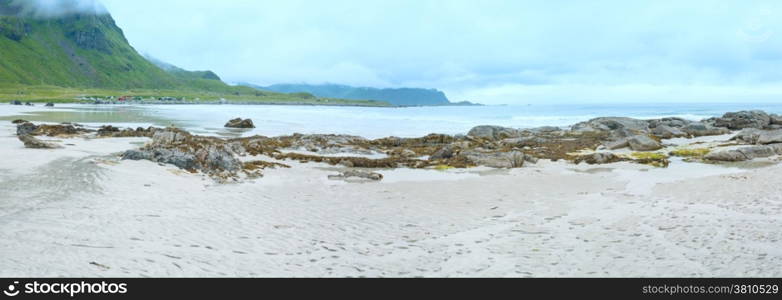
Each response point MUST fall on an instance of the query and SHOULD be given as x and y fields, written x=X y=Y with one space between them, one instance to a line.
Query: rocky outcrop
x=611 y=124
x=670 y=122
x=747 y=136
x=745 y=153
x=111 y=131
x=639 y=142
x=357 y=174
x=326 y=143
x=643 y=143
x=769 y=137
x=240 y=123
x=33 y=143
x=59 y=130
x=599 y=158
x=25 y=128
x=754 y=136
x=505 y=160
x=446 y=152
x=492 y=132
x=697 y=129
x=667 y=132
x=209 y=155
x=743 y=119
x=544 y=129
x=619 y=144
x=775 y=119
x=490 y=146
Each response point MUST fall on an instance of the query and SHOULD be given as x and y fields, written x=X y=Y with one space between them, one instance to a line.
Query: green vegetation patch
x=655 y=159
x=691 y=152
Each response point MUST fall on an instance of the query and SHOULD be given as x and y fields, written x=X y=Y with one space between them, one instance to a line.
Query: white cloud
x=55 y=8
x=557 y=49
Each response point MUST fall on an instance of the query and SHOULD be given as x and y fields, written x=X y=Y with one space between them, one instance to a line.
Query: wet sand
x=79 y=211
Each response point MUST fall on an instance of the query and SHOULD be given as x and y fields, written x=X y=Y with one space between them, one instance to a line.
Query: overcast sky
x=486 y=51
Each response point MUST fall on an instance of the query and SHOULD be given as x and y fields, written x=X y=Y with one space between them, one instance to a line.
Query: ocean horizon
x=373 y=122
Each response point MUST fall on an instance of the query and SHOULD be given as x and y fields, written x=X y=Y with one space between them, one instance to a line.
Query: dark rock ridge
x=490 y=146
x=764 y=143
x=59 y=130
x=111 y=131
x=744 y=119
x=209 y=155
x=240 y=123
x=746 y=153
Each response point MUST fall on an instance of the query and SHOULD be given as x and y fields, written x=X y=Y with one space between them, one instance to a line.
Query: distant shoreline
x=233 y=103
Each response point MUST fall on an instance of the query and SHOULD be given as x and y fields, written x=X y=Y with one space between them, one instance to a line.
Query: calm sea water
x=370 y=122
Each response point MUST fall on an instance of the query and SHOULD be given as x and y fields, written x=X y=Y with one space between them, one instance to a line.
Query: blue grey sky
x=487 y=51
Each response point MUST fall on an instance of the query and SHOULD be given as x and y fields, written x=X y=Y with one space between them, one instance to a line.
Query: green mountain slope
x=398 y=96
x=73 y=50
x=73 y=54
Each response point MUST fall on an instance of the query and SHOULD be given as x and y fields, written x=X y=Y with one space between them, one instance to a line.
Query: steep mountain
x=61 y=50
x=182 y=73
x=397 y=96
x=79 y=48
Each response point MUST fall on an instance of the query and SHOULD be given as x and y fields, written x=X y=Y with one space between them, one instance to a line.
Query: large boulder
x=524 y=141
x=544 y=129
x=25 y=128
x=769 y=137
x=775 y=119
x=745 y=153
x=240 y=123
x=176 y=157
x=747 y=136
x=492 y=132
x=670 y=122
x=757 y=136
x=643 y=143
x=507 y=160
x=33 y=143
x=207 y=154
x=65 y=129
x=599 y=158
x=446 y=152
x=668 y=132
x=743 y=119
x=60 y=130
x=618 y=144
x=612 y=123
x=728 y=155
x=697 y=129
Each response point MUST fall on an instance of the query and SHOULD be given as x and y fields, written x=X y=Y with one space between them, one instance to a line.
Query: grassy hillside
x=75 y=50
x=86 y=54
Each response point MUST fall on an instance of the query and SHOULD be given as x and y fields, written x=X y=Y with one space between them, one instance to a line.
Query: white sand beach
x=80 y=211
